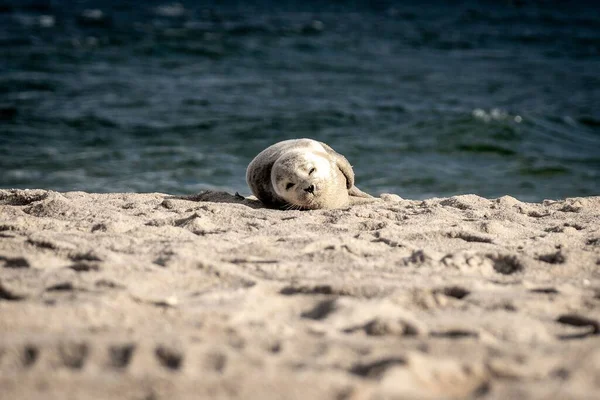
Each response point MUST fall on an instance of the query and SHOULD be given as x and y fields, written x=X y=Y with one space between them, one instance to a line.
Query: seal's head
x=307 y=179
x=302 y=174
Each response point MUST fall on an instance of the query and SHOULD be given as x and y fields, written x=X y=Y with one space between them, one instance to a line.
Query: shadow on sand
x=251 y=201
x=222 y=197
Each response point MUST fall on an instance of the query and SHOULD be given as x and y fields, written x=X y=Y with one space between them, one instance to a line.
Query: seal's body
x=302 y=174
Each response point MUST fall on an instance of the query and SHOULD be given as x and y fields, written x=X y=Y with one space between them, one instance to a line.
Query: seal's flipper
x=356 y=192
x=342 y=164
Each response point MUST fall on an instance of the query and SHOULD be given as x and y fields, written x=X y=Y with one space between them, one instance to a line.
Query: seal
x=302 y=174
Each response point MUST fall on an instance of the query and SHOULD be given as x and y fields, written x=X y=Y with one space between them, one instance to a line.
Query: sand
x=153 y=296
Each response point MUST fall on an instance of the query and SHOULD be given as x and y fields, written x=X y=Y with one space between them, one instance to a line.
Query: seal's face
x=302 y=178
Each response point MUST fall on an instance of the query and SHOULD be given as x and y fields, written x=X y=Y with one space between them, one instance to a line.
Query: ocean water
x=493 y=98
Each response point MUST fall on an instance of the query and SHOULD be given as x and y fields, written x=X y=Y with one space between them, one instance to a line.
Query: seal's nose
x=310 y=189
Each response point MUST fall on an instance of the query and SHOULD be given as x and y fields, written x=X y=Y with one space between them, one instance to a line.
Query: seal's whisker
x=292 y=207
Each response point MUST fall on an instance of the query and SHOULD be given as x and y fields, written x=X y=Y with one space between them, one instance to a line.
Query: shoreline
x=156 y=295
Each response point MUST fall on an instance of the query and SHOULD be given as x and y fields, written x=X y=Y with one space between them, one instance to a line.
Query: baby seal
x=302 y=174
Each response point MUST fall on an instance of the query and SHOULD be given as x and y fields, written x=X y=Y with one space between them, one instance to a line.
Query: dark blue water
x=491 y=98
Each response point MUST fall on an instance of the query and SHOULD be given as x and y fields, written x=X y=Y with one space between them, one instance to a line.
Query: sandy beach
x=154 y=296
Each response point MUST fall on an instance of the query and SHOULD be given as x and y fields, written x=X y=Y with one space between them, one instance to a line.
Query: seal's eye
x=289 y=186
x=311 y=171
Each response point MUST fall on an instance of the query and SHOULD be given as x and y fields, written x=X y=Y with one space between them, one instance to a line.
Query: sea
x=425 y=99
